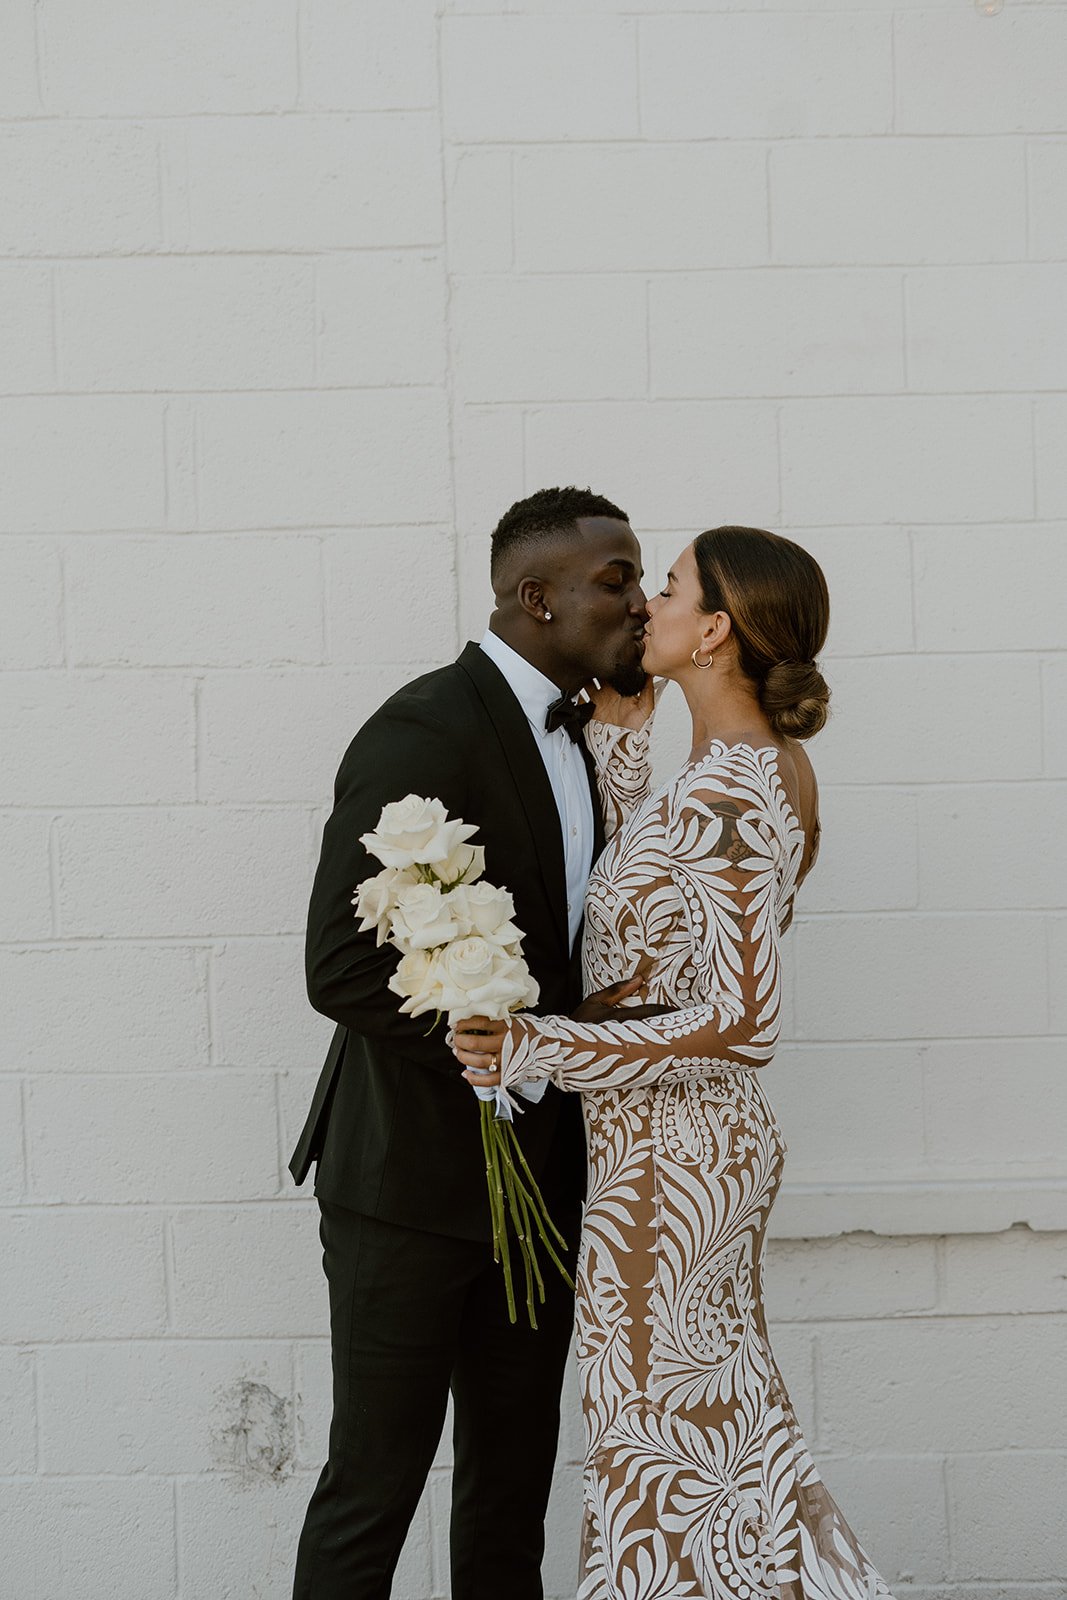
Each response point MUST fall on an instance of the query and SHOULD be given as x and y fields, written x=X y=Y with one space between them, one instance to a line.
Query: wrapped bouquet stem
x=461 y=956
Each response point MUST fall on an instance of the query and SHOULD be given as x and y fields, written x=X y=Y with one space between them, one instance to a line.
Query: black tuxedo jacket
x=393 y=1125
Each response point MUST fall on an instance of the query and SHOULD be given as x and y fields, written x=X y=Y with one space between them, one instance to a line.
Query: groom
x=416 y=1302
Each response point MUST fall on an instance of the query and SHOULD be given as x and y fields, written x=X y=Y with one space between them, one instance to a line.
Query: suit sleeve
x=401 y=751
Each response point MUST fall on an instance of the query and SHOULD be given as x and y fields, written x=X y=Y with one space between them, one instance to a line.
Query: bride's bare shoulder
x=802 y=791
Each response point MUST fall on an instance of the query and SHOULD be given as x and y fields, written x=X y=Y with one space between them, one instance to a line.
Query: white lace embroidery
x=698 y=1481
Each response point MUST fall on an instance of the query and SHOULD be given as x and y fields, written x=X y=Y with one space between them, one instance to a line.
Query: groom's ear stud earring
x=548 y=616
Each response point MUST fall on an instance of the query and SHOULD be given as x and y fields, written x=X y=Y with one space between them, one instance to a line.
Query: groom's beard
x=629 y=679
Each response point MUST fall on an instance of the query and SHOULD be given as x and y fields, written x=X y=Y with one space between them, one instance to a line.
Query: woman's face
x=676 y=620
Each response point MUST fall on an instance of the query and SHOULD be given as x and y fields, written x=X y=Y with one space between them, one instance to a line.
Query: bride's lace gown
x=697 y=1482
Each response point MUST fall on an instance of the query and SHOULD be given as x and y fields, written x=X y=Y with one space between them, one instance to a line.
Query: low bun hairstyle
x=776 y=597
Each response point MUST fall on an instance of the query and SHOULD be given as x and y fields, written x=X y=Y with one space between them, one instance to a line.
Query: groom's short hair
x=543 y=516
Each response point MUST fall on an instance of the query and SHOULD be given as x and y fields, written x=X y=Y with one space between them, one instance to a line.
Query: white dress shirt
x=564 y=764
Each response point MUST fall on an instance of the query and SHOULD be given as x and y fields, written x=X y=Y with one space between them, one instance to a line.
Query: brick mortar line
x=440 y=524
x=518 y=273
x=642 y=397
x=169 y=1280
x=298 y=253
x=451 y=399
x=146 y=120
x=274 y=391
x=24 y=1131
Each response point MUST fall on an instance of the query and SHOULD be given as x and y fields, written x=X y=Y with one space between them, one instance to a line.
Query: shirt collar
x=534 y=692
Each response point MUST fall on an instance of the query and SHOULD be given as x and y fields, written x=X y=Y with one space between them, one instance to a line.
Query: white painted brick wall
x=72 y=463
x=145 y=602
x=296 y=297
x=105 y=1531
x=200 y=323
x=215 y=1137
x=63 y=734
x=308 y=183
x=1050 y=474
x=149 y=57
x=788 y=332
x=74 y=188
x=672 y=455
x=615 y=207
x=765 y=77
x=909 y=201
x=508 y=334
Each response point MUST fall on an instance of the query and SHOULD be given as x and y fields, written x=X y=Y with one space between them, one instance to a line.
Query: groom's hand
x=606 y=1004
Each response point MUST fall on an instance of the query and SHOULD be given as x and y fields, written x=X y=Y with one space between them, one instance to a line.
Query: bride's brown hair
x=776 y=597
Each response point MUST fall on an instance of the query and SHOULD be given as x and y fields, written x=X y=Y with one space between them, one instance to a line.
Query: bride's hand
x=477 y=1043
x=619 y=710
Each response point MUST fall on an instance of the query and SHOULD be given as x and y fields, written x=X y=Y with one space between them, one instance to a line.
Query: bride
x=697 y=1479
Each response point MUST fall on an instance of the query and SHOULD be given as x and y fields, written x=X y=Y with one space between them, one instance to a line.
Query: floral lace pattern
x=697 y=1482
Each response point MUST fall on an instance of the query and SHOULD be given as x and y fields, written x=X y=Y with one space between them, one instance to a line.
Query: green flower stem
x=518 y=1220
x=494 y=1194
x=526 y=1207
x=487 y=1135
x=505 y=1251
x=540 y=1209
x=515 y=1197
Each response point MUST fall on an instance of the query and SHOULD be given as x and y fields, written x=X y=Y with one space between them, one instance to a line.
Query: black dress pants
x=412 y=1315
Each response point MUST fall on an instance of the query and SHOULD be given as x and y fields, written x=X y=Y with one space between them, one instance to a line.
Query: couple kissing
x=652 y=922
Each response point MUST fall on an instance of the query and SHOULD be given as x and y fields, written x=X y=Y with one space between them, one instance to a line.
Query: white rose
x=422 y=918
x=478 y=978
x=482 y=909
x=376 y=898
x=418 y=980
x=415 y=831
x=466 y=863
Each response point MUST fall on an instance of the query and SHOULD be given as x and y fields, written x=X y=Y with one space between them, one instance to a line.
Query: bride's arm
x=722 y=854
x=618 y=738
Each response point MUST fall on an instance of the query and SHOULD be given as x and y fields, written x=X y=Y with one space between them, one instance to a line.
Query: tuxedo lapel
x=528 y=772
x=599 y=840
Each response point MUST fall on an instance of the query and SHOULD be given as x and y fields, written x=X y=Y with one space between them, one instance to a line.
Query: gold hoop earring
x=703 y=665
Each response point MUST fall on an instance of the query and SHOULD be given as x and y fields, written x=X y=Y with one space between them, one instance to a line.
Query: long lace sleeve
x=623 y=769
x=723 y=851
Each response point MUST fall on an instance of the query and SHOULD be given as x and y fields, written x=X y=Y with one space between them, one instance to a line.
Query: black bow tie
x=570 y=714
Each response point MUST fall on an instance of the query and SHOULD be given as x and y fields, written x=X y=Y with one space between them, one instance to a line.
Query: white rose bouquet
x=461 y=955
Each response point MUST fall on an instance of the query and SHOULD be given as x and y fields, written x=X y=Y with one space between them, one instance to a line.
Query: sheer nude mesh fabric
x=697 y=1481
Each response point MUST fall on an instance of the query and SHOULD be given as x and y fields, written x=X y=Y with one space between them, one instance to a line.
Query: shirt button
x=574 y=833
